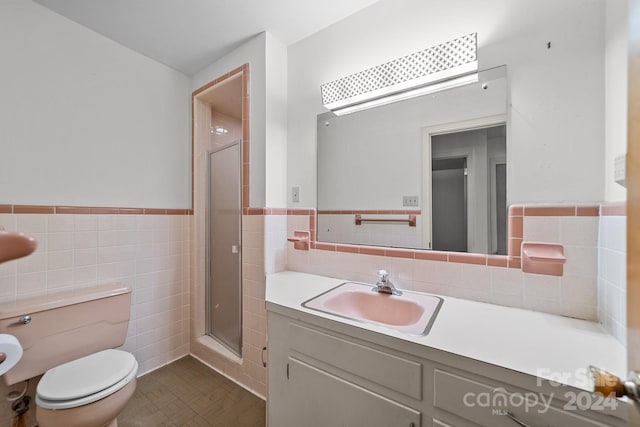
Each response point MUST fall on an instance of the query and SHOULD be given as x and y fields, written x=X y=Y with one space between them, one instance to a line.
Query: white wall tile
x=542 y=229
x=31 y=223
x=579 y=231
x=60 y=223
x=73 y=253
x=612 y=279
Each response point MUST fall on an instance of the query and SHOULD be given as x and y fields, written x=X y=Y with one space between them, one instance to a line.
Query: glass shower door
x=224 y=284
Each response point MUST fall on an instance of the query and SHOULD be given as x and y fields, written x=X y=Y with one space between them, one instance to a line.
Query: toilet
x=70 y=337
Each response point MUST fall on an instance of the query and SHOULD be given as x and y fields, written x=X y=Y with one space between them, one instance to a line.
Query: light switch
x=295 y=194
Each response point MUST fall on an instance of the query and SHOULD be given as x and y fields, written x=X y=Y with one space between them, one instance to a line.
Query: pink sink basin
x=411 y=313
x=15 y=245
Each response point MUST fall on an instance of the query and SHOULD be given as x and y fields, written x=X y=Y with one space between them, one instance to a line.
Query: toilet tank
x=65 y=326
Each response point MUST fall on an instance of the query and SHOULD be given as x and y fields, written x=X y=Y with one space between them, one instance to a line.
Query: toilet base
x=102 y=413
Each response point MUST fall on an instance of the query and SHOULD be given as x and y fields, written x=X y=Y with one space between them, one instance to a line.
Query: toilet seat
x=86 y=380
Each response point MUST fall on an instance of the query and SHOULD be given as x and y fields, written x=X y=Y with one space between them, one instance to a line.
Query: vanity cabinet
x=324 y=373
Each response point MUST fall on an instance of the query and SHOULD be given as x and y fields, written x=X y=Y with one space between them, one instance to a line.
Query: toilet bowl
x=86 y=392
x=71 y=337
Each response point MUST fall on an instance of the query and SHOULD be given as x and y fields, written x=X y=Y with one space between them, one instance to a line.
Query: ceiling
x=188 y=35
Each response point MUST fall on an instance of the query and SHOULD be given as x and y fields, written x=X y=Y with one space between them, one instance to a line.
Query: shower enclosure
x=224 y=266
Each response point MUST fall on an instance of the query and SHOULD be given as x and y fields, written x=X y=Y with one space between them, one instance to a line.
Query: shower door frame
x=208 y=272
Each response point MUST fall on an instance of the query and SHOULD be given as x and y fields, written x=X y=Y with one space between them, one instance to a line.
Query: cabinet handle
x=513 y=418
x=264 y=364
x=287 y=371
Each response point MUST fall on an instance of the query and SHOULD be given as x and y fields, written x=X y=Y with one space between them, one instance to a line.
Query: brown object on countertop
x=606 y=383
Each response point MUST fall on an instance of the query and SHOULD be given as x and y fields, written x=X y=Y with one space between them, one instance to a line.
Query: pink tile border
x=371 y=211
x=614 y=209
x=86 y=210
x=516 y=214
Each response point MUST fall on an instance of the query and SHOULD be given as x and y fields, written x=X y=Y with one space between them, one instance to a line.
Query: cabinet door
x=318 y=399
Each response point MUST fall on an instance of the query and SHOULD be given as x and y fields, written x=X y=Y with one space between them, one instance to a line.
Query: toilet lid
x=87 y=376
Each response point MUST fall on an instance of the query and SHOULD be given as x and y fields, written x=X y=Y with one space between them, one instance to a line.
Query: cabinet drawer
x=488 y=405
x=362 y=361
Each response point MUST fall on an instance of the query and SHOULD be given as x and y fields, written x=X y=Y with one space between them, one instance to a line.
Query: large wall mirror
x=423 y=173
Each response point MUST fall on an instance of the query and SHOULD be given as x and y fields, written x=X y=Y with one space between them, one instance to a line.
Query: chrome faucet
x=384 y=285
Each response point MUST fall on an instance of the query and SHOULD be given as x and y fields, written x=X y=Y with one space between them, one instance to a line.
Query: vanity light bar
x=436 y=64
x=448 y=84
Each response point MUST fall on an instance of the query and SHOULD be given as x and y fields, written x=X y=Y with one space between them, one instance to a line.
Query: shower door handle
x=235 y=249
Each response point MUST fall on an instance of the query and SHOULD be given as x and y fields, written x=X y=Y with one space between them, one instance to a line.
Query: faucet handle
x=382 y=275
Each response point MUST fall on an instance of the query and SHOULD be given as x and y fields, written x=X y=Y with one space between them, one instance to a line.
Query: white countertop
x=544 y=345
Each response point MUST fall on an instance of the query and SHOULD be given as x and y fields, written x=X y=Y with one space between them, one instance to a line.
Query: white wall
x=555 y=141
x=252 y=52
x=85 y=121
x=276 y=123
x=616 y=82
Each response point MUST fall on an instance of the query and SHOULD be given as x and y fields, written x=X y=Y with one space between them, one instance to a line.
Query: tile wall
x=612 y=278
x=147 y=252
x=479 y=277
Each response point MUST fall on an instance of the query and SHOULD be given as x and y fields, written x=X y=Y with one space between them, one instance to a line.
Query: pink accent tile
x=549 y=211
x=614 y=210
x=514 y=247
x=348 y=248
x=587 y=211
x=399 y=253
x=72 y=210
x=30 y=209
x=516 y=227
x=245 y=195
x=105 y=211
x=132 y=211
x=497 y=260
x=368 y=250
x=325 y=246
x=516 y=210
x=431 y=255
x=255 y=211
x=176 y=211
x=245 y=174
x=478 y=259
x=6 y=209
x=515 y=262
x=155 y=211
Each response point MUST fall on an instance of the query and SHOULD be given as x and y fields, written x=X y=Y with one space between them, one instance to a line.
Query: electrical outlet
x=295 y=194
x=410 y=201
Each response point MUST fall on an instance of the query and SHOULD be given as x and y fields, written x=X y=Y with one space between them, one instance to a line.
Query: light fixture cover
x=438 y=63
